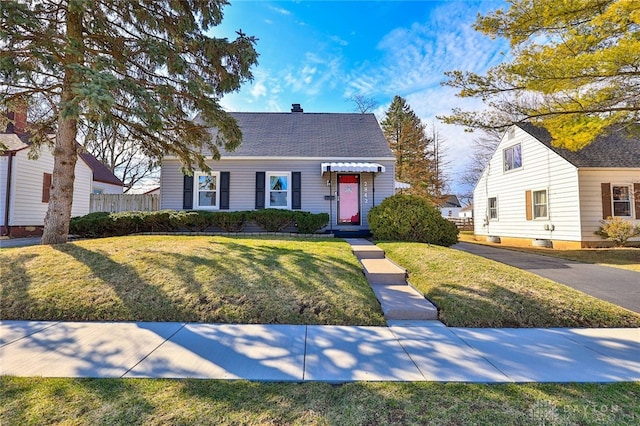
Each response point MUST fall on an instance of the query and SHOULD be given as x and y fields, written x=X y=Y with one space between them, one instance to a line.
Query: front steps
x=399 y=300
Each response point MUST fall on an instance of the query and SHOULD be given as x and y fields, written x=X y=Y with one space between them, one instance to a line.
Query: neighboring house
x=466 y=212
x=317 y=162
x=154 y=191
x=532 y=193
x=451 y=206
x=25 y=184
x=104 y=181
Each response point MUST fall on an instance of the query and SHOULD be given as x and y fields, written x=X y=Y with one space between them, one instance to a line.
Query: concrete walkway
x=615 y=285
x=399 y=300
x=420 y=351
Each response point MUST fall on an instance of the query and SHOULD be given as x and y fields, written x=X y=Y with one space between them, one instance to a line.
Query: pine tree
x=148 y=65
x=574 y=69
x=413 y=149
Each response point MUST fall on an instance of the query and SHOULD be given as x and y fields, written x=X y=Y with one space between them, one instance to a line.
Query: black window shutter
x=260 y=183
x=187 y=197
x=224 y=190
x=296 y=191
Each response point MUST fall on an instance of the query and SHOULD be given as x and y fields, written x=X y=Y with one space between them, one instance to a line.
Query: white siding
x=541 y=169
x=26 y=189
x=4 y=164
x=107 y=188
x=591 y=196
x=314 y=185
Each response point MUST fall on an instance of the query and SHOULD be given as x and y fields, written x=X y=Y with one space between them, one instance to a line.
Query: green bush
x=230 y=221
x=104 y=224
x=308 y=223
x=194 y=221
x=273 y=220
x=92 y=225
x=618 y=230
x=158 y=221
x=411 y=218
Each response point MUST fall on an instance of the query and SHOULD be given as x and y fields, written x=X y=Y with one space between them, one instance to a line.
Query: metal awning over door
x=351 y=167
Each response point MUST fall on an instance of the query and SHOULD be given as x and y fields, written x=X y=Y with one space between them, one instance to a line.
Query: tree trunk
x=65 y=154
x=56 y=222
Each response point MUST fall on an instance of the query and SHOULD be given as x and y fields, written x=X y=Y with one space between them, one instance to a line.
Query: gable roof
x=100 y=172
x=19 y=141
x=612 y=150
x=319 y=135
x=450 y=200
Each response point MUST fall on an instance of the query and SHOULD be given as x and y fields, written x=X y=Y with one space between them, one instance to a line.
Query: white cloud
x=280 y=10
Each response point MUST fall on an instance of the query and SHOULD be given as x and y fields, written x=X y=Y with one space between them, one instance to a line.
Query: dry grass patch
x=471 y=291
x=180 y=278
x=206 y=402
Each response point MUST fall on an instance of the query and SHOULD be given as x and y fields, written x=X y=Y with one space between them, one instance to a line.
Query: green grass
x=180 y=278
x=624 y=258
x=471 y=291
x=205 y=402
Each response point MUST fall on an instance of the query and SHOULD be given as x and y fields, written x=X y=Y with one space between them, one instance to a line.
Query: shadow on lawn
x=141 y=300
x=14 y=290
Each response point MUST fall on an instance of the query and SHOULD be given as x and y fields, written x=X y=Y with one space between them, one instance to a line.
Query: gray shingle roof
x=325 y=135
x=615 y=149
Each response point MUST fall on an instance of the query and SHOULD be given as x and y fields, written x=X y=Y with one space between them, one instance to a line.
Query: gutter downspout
x=11 y=154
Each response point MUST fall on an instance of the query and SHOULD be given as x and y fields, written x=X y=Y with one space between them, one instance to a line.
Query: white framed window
x=493 y=208
x=621 y=200
x=278 y=194
x=540 y=204
x=206 y=194
x=512 y=157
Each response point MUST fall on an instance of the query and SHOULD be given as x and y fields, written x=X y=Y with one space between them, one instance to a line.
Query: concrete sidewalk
x=404 y=351
x=615 y=285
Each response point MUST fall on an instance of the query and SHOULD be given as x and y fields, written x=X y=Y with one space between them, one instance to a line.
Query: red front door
x=348 y=199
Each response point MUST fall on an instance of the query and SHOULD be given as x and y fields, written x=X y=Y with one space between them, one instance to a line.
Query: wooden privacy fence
x=462 y=223
x=114 y=203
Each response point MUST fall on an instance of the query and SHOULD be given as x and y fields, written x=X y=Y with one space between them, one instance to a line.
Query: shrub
x=230 y=221
x=125 y=223
x=618 y=230
x=308 y=223
x=273 y=220
x=92 y=225
x=411 y=218
x=158 y=221
x=195 y=221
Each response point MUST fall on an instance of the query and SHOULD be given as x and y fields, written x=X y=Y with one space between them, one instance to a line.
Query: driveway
x=614 y=285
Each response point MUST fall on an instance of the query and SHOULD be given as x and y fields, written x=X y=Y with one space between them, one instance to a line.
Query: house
x=450 y=207
x=466 y=212
x=532 y=193
x=336 y=163
x=104 y=181
x=25 y=183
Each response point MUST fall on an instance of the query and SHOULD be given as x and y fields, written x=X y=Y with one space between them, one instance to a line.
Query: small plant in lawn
x=618 y=230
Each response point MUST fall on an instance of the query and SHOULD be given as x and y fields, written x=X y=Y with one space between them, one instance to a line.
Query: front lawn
x=182 y=278
x=471 y=291
x=210 y=402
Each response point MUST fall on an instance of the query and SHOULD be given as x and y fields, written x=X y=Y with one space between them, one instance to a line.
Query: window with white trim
x=278 y=194
x=540 y=204
x=206 y=194
x=512 y=157
x=493 y=208
x=621 y=199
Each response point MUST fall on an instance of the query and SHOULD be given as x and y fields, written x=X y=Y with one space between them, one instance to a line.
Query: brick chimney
x=296 y=108
x=19 y=117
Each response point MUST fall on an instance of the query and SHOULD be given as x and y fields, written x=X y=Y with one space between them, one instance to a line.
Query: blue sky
x=320 y=53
